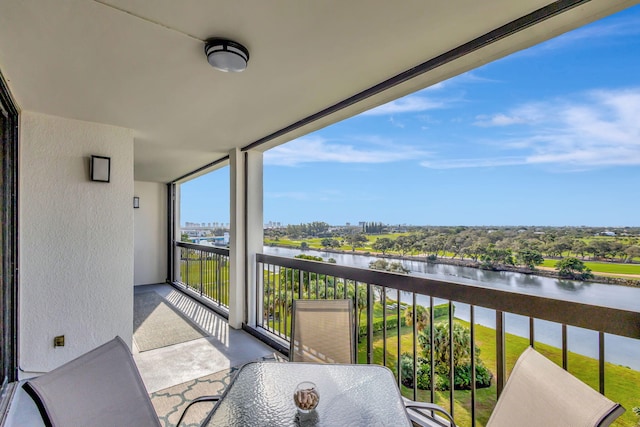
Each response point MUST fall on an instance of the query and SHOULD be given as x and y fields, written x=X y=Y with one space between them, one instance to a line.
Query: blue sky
x=547 y=136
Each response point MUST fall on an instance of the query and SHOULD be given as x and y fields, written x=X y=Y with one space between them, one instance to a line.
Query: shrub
x=462 y=375
x=406 y=370
x=378 y=325
x=423 y=371
x=462 y=378
x=424 y=376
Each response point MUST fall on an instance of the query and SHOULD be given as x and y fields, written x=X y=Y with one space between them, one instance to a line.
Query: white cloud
x=408 y=104
x=529 y=113
x=316 y=149
x=594 y=129
x=396 y=123
x=473 y=163
x=498 y=120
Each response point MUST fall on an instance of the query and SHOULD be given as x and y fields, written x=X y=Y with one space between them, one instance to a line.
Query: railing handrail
x=204 y=248
x=599 y=318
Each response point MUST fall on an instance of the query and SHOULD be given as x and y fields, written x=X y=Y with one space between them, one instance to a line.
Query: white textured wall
x=150 y=225
x=76 y=239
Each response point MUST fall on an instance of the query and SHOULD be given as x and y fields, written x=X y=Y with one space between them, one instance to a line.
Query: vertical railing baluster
x=532 y=335
x=221 y=283
x=326 y=280
x=370 y=293
x=451 y=361
x=431 y=351
x=414 y=331
x=270 y=307
x=217 y=271
x=356 y=316
x=399 y=354
x=287 y=332
x=601 y=361
x=564 y=346
x=188 y=264
x=259 y=291
x=205 y=275
x=317 y=284
x=472 y=331
x=212 y=275
x=208 y=291
x=383 y=300
x=265 y=295
x=201 y=277
x=500 y=352
x=279 y=300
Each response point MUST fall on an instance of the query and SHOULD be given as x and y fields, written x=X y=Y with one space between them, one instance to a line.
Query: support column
x=246 y=234
x=177 y=233
x=255 y=228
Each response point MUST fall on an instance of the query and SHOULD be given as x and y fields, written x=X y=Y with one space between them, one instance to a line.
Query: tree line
x=524 y=246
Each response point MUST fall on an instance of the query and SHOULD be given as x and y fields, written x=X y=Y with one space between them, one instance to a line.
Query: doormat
x=156 y=323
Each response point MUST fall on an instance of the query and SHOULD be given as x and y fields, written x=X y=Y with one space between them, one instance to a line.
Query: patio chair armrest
x=410 y=404
x=214 y=398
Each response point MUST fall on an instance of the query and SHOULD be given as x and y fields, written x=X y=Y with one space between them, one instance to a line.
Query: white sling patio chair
x=322 y=331
x=100 y=388
x=540 y=393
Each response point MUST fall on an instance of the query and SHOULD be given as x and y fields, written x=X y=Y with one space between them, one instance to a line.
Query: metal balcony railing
x=418 y=326
x=205 y=271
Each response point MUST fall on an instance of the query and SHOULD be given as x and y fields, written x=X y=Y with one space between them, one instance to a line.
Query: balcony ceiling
x=140 y=64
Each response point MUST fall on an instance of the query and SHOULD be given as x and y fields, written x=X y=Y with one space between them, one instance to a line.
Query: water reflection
x=530 y=281
x=569 y=285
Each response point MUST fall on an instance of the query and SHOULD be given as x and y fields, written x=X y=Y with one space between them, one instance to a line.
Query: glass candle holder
x=306 y=396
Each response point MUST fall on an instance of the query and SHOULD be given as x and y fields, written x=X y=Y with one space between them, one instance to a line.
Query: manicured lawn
x=602 y=267
x=207 y=275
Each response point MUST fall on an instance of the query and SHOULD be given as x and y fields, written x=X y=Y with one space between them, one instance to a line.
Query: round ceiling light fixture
x=226 y=55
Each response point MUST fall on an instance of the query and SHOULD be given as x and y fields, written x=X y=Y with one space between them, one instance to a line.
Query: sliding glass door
x=8 y=236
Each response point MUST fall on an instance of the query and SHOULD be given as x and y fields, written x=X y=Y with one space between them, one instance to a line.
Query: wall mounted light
x=100 y=168
x=226 y=55
x=136 y=202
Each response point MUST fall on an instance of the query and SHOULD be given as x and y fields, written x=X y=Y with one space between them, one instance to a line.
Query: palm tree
x=461 y=345
x=422 y=317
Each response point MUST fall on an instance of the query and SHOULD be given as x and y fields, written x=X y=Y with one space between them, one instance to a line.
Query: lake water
x=619 y=350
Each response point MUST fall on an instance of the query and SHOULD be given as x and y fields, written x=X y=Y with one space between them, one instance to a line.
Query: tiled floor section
x=224 y=348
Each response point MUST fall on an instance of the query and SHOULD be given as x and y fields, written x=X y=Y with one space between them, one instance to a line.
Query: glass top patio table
x=261 y=394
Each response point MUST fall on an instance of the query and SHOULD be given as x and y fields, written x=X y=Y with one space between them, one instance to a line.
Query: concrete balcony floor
x=218 y=349
x=221 y=348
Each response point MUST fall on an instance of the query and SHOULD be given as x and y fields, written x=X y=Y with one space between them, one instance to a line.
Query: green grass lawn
x=622 y=384
x=206 y=273
x=602 y=267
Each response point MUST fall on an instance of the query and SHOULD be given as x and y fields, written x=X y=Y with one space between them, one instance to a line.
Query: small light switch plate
x=58 y=341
